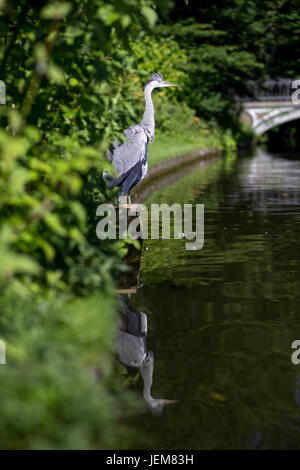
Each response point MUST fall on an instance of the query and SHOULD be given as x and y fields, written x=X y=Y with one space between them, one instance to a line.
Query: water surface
x=221 y=320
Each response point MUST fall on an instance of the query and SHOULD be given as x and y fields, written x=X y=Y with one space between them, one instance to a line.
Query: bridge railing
x=269 y=90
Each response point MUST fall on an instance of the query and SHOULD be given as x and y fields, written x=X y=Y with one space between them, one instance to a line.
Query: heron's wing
x=133 y=131
x=134 y=322
x=132 y=178
x=123 y=304
x=128 y=154
x=131 y=349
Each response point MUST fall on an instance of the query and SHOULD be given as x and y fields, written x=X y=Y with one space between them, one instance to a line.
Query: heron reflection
x=132 y=350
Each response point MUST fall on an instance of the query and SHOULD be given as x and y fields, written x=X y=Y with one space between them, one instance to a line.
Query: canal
x=221 y=320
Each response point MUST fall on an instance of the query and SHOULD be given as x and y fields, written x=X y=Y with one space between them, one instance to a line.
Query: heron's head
x=157 y=405
x=157 y=81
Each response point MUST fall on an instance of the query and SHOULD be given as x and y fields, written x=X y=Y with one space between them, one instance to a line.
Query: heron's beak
x=170 y=84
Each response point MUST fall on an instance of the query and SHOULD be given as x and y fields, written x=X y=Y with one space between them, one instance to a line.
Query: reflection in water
x=132 y=350
x=264 y=172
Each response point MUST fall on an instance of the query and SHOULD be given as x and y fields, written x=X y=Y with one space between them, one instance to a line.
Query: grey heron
x=132 y=351
x=130 y=158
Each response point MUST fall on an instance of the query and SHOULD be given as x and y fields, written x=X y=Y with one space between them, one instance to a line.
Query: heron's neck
x=148 y=118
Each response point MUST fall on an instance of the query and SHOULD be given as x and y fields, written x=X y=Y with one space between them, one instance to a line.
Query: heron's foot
x=125 y=203
x=135 y=208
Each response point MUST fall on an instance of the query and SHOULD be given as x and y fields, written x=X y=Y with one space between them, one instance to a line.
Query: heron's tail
x=110 y=181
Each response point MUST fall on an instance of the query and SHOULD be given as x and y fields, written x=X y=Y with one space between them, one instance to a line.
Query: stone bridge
x=269 y=103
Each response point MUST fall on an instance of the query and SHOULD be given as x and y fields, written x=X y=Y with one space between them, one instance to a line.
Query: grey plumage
x=130 y=158
x=126 y=155
x=132 y=350
x=131 y=339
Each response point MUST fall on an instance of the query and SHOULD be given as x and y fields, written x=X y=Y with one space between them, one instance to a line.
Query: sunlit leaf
x=150 y=15
x=56 y=10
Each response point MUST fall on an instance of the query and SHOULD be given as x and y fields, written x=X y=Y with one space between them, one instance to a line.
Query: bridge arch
x=262 y=120
x=269 y=104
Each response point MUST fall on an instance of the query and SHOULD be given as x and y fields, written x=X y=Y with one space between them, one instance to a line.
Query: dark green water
x=221 y=320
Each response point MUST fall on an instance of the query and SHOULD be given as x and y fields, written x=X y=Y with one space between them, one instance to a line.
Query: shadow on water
x=223 y=318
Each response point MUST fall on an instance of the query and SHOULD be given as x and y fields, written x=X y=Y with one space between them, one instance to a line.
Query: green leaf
x=12 y=263
x=48 y=249
x=56 y=10
x=55 y=74
x=150 y=15
x=54 y=223
x=79 y=211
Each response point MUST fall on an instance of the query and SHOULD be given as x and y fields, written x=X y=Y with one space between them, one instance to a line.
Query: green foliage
x=58 y=389
x=163 y=55
x=227 y=43
x=65 y=65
